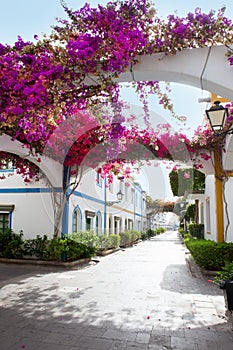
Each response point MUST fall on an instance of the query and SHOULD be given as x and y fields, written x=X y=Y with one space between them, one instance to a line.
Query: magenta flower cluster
x=73 y=69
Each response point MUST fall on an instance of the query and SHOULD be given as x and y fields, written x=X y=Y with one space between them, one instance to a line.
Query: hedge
x=12 y=245
x=196 y=230
x=210 y=255
x=129 y=237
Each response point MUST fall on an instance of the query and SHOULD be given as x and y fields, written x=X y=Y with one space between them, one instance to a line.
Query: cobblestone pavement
x=141 y=298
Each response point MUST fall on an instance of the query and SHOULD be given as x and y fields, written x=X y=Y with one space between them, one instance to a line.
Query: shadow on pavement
x=37 y=319
x=177 y=280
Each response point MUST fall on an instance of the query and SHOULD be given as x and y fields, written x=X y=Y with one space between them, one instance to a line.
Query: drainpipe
x=105 y=206
x=219 y=196
x=65 y=215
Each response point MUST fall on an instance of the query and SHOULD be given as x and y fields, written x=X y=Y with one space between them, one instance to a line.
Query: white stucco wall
x=210 y=197
x=33 y=212
x=210 y=221
x=228 y=208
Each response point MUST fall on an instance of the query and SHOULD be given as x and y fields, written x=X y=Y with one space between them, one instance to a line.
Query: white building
x=92 y=206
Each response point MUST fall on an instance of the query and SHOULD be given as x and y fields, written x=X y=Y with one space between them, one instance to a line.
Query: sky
x=29 y=17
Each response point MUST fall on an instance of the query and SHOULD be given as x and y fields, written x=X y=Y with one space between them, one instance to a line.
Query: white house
x=92 y=206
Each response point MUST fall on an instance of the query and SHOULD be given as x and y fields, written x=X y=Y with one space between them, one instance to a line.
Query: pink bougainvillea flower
x=186 y=175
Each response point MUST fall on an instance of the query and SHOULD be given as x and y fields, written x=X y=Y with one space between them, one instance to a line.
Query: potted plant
x=224 y=279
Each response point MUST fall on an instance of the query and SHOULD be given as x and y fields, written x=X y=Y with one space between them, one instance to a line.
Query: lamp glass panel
x=120 y=195
x=217 y=119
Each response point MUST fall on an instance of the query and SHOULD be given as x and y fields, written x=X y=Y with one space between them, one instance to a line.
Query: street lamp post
x=217 y=115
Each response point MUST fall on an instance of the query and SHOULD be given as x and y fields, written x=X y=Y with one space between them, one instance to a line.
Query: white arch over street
x=52 y=170
x=205 y=68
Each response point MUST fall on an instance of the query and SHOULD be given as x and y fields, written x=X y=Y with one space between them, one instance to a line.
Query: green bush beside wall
x=210 y=255
x=196 y=230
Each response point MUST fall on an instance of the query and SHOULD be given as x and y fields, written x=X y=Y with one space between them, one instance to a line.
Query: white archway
x=205 y=68
x=52 y=170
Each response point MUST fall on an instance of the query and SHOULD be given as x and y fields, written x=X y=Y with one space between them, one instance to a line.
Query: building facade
x=92 y=206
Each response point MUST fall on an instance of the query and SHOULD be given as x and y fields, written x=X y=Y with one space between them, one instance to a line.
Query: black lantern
x=217 y=115
x=120 y=196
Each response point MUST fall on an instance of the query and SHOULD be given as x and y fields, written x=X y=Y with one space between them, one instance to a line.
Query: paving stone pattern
x=144 y=298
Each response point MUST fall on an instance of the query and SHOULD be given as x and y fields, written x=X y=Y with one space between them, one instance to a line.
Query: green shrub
x=135 y=235
x=113 y=241
x=196 y=230
x=11 y=244
x=151 y=233
x=225 y=275
x=89 y=238
x=210 y=255
x=159 y=230
x=36 y=247
x=125 y=238
x=77 y=250
x=103 y=242
x=144 y=235
x=55 y=249
x=182 y=232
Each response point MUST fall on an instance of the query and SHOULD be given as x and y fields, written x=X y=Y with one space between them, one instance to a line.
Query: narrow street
x=142 y=297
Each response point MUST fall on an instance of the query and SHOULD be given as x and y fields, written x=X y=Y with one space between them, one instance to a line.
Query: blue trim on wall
x=7 y=170
x=30 y=190
x=86 y=196
x=137 y=214
x=48 y=190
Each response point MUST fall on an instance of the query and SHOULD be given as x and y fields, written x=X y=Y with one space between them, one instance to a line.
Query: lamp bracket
x=109 y=204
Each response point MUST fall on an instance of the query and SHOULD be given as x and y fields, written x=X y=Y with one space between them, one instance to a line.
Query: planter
x=227 y=287
x=45 y=262
x=106 y=252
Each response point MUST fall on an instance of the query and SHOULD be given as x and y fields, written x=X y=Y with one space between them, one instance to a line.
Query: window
x=89 y=219
x=202 y=213
x=132 y=195
x=88 y=223
x=111 y=187
x=5 y=217
x=126 y=192
x=208 y=215
x=4 y=222
x=110 y=225
x=99 y=180
x=77 y=221
x=98 y=222
x=144 y=204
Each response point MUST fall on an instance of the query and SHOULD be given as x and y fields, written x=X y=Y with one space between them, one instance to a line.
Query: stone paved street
x=143 y=298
